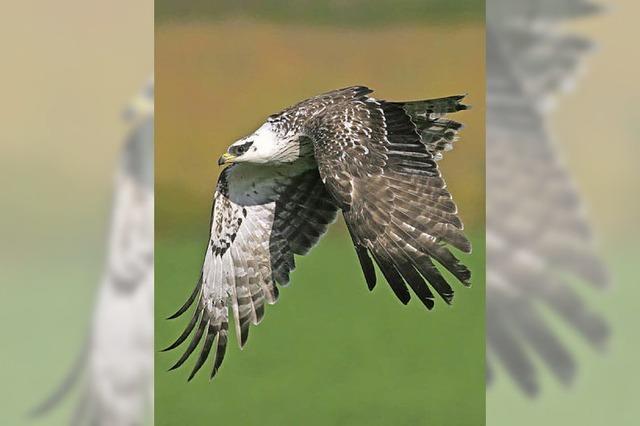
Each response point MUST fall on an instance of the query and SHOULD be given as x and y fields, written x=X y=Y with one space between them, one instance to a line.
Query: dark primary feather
x=189 y=302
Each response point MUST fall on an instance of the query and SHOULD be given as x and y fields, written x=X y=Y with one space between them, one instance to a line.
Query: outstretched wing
x=378 y=161
x=262 y=217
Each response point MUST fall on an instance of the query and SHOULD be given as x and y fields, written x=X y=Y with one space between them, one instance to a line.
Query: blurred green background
x=601 y=110
x=330 y=352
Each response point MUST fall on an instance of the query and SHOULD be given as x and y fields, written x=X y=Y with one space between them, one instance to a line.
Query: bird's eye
x=241 y=149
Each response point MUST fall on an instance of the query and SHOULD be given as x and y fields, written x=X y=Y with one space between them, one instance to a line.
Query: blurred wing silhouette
x=116 y=359
x=538 y=237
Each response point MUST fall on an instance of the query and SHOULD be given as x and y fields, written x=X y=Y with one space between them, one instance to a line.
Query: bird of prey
x=538 y=237
x=372 y=160
x=116 y=359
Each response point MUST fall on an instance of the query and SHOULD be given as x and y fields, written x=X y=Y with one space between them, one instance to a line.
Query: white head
x=265 y=145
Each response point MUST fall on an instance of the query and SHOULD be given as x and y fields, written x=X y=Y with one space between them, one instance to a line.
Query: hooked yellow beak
x=226 y=158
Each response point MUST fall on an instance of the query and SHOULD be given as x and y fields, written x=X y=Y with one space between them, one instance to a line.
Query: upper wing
x=262 y=216
x=377 y=160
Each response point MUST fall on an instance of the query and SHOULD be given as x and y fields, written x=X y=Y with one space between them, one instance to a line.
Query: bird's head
x=258 y=147
x=237 y=152
x=265 y=145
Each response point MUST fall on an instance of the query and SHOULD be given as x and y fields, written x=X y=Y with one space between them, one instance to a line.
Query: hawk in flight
x=373 y=160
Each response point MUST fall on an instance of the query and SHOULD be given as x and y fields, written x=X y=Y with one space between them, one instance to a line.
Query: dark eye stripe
x=241 y=149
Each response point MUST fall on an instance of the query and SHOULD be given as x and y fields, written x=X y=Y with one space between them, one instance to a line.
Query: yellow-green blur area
x=596 y=128
x=69 y=69
x=329 y=352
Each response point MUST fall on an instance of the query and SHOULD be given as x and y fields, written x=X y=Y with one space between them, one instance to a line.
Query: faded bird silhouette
x=538 y=236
